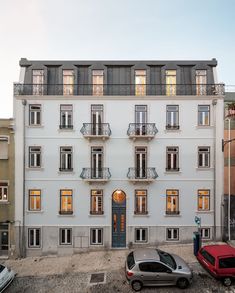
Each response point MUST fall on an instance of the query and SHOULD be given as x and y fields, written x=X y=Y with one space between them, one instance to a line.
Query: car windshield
x=130 y=261
x=167 y=259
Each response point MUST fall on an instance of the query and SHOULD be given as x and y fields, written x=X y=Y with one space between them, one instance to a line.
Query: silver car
x=154 y=267
x=6 y=277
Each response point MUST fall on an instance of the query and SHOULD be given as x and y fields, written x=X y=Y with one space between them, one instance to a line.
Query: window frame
x=172 y=234
x=38 y=87
x=202 y=233
x=4 y=139
x=64 y=158
x=35 y=245
x=36 y=113
x=141 y=229
x=204 y=154
x=208 y=112
x=141 y=211
x=34 y=196
x=140 y=87
x=65 y=243
x=98 y=76
x=176 y=196
x=96 y=243
x=92 y=196
x=68 y=88
x=172 y=153
x=169 y=126
x=35 y=153
x=62 y=196
x=204 y=197
x=4 y=185
x=69 y=114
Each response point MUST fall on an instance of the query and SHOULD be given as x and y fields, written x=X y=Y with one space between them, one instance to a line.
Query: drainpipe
x=214 y=103
x=23 y=251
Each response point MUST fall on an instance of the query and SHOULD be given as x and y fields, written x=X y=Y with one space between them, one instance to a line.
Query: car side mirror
x=169 y=271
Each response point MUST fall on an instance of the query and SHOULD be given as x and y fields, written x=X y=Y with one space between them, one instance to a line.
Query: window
x=140 y=82
x=66 y=201
x=205 y=233
x=141 y=235
x=3 y=148
x=201 y=81
x=38 y=81
x=66 y=116
x=172 y=117
x=153 y=267
x=98 y=82
x=140 y=119
x=3 y=191
x=68 y=82
x=66 y=159
x=170 y=82
x=35 y=157
x=96 y=237
x=141 y=202
x=204 y=157
x=34 y=115
x=97 y=162
x=34 y=235
x=172 y=163
x=203 y=200
x=65 y=236
x=96 y=201
x=97 y=119
x=203 y=115
x=208 y=257
x=141 y=162
x=172 y=202
x=227 y=262
x=172 y=234
x=34 y=200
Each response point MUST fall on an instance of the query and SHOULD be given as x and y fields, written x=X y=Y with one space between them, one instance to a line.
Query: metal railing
x=142 y=129
x=95 y=174
x=96 y=129
x=142 y=173
x=119 y=89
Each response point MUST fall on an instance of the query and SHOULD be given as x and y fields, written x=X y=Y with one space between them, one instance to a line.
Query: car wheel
x=136 y=285
x=182 y=283
x=227 y=281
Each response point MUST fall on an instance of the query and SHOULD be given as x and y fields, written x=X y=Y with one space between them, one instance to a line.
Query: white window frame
x=174 y=115
x=172 y=234
x=204 y=197
x=65 y=151
x=5 y=140
x=141 y=240
x=174 y=195
x=140 y=82
x=139 y=195
x=38 y=82
x=95 y=241
x=203 y=232
x=68 y=82
x=66 y=110
x=204 y=115
x=34 y=153
x=34 y=196
x=36 y=113
x=204 y=153
x=172 y=151
x=97 y=195
x=2 y=187
x=97 y=82
x=66 y=242
x=34 y=245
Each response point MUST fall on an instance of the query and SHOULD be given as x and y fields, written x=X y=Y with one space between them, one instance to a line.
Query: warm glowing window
x=96 y=201
x=140 y=82
x=68 y=82
x=3 y=191
x=172 y=201
x=98 y=82
x=140 y=201
x=34 y=200
x=170 y=82
x=66 y=201
x=204 y=200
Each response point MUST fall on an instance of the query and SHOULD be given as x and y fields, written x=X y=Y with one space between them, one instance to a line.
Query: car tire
x=182 y=283
x=136 y=285
x=227 y=281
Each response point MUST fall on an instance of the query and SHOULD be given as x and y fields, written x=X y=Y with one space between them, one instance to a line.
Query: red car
x=219 y=261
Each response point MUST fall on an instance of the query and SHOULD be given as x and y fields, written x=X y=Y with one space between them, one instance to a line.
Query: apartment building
x=111 y=154
x=7 y=188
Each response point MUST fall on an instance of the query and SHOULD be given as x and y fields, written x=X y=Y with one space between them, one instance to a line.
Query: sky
x=114 y=30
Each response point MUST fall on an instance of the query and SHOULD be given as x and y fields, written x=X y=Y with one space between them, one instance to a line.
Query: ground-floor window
x=141 y=235
x=34 y=237
x=96 y=236
x=205 y=233
x=172 y=234
x=65 y=236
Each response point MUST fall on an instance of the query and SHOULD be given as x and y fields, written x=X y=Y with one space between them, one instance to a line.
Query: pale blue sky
x=114 y=30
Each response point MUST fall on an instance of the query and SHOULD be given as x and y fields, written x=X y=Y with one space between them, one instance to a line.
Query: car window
x=153 y=267
x=130 y=261
x=167 y=259
x=227 y=263
x=1 y=268
x=208 y=257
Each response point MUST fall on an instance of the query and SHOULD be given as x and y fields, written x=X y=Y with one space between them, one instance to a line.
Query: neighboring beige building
x=7 y=188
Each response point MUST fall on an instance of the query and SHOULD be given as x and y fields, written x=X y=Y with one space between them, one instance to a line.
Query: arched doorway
x=118 y=218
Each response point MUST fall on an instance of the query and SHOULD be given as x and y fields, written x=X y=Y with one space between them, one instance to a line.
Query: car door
x=226 y=266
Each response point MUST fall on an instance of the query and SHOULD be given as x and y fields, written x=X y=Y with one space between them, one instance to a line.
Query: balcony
x=91 y=175
x=118 y=90
x=142 y=130
x=99 y=130
x=142 y=175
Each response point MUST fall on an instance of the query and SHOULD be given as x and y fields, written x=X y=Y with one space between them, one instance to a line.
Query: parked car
x=219 y=261
x=154 y=267
x=6 y=277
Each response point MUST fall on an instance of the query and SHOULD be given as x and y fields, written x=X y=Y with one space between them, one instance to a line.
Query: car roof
x=146 y=254
x=220 y=250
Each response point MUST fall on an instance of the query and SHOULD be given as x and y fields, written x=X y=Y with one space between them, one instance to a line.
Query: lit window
x=203 y=115
x=35 y=157
x=34 y=237
x=170 y=82
x=140 y=82
x=3 y=148
x=172 y=158
x=172 y=202
x=141 y=235
x=98 y=82
x=66 y=159
x=3 y=191
x=172 y=234
x=34 y=200
x=204 y=157
x=38 y=81
x=203 y=200
x=68 y=82
x=96 y=237
x=96 y=201
x=172 y=117
x=34 y=115
x=65 y=236
x=66 y=201
x=201 y=81
x=66 y=116
x=141 y=202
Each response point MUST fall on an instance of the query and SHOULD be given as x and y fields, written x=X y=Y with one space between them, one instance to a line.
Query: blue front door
x=119 y=219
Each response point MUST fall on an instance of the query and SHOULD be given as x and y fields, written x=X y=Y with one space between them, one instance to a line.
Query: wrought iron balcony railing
x=142 y=129
x=144 y=174
x=96 y=129
x=119 y=89
x=92 y=174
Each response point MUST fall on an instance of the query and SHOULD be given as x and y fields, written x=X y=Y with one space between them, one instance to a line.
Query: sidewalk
x=87 y=261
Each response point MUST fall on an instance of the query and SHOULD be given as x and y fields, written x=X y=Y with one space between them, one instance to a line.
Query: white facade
x=119 y=155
